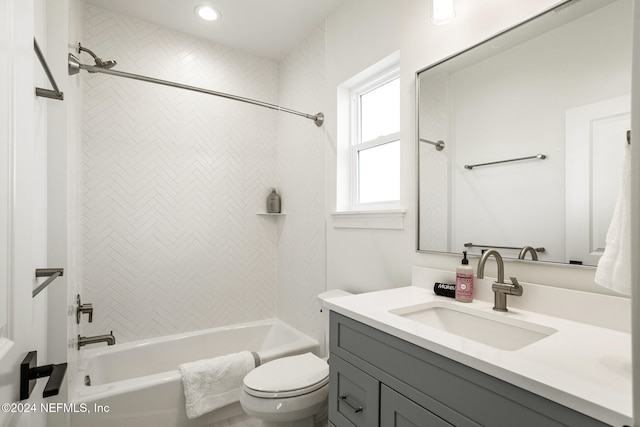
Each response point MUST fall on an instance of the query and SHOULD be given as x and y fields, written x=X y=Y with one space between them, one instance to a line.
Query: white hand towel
x=210 y=384
x=614 y=266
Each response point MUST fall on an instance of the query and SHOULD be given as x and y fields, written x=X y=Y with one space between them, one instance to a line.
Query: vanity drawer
x=354 y=396
x=397 y=410
x=461 y=395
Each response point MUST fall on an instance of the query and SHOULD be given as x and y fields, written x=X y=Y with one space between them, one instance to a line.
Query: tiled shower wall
x=172 y=181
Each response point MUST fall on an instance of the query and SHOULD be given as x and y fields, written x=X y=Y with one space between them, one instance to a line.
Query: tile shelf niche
x=271 y=214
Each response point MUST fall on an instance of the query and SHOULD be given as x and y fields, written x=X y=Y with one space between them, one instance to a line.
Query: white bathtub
x=139 y=383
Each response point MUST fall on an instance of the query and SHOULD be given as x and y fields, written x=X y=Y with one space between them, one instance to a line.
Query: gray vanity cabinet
x=377 y=379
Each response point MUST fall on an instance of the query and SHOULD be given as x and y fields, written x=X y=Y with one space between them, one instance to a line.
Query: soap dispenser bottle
x=464 y=281
x=273 y=202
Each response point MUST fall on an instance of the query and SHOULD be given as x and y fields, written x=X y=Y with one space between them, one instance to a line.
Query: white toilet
x=291 y=391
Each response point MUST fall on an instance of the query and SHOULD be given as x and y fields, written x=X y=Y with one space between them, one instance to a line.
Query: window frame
x=356 y=145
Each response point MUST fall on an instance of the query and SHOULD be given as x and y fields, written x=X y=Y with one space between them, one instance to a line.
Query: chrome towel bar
x=537 y=156
x=473 y=245
x=439 y=144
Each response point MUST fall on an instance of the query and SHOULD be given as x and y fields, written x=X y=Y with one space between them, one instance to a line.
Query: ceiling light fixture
x=442 y=11
x=207 y=13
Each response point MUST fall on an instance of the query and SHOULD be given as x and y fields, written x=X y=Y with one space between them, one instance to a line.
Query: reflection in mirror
x=6 y=87
x=4 y=235
x=551 y=94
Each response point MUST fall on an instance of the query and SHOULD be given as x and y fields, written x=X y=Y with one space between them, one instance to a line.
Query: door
x=22 y=211
x=596 y=138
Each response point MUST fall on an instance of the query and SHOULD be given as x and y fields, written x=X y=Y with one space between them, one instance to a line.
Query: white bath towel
x=614 y=266
x=210 y=384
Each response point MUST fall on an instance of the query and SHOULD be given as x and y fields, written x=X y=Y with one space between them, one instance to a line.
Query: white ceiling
x=270 y=28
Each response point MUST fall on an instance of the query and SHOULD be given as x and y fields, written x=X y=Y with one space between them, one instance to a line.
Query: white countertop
x=586 y=368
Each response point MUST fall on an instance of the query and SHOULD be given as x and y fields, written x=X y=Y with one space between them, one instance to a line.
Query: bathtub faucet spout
x=109 y=339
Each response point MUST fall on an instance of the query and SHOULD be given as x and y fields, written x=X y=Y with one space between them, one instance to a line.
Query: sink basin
x=494 y=329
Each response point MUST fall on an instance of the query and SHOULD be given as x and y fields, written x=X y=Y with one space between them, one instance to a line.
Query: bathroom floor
x=238 y=421
x=243 y=421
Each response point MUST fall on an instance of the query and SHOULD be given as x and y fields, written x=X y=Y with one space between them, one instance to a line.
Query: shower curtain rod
x=75 y=66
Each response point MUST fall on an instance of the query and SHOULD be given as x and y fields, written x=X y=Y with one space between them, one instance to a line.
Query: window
x=375 y=146
x=368 y=149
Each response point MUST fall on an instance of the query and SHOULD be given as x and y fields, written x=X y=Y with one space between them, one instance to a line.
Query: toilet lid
x=298 y=374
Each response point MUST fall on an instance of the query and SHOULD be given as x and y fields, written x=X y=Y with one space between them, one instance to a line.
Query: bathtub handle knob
x=83 y=308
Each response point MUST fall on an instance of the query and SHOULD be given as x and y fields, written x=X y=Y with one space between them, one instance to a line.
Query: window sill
x=382 y=220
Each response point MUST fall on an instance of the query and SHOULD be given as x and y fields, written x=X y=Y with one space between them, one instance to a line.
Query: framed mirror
x=521 y=137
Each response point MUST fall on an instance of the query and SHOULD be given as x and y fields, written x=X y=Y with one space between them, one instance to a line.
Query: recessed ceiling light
x=442 y=11
x=207 y=13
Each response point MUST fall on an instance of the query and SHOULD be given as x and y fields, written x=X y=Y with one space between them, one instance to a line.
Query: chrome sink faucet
x=499 y=288
x=109 y=339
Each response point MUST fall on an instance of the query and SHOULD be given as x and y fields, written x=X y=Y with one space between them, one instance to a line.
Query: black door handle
x=30 y=372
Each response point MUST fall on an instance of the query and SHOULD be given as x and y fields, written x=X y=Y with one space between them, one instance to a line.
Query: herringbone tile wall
x=172 y=181
x=300 y=176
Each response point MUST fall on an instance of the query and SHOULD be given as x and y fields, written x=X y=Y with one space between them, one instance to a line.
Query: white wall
x=24 y=140
x=358 y=35
x=64 y=25
x=39 y=163
x=56 y=40
x=172 y=181
x=39 y=184
x=300 y=180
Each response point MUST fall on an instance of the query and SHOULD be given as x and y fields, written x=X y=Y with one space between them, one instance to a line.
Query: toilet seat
x=287 y=377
